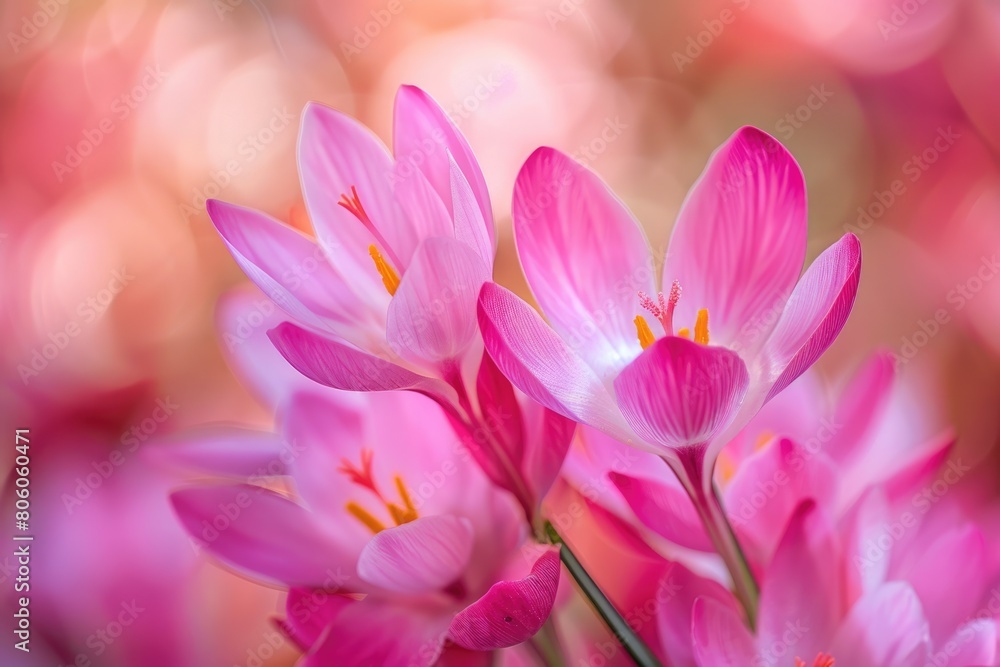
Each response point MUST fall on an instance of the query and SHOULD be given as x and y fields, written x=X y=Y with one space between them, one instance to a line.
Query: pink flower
x=611 y=357
x=395 y=549
x=385 y=299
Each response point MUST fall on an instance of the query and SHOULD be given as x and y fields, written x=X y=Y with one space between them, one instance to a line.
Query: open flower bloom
x=385 y=297
x=396 y=548
x=678 y=371
x=811 y=617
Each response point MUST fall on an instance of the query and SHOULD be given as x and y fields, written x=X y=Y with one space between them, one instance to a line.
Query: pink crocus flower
x=610 y=355
x=396 y=549
x=385 y=297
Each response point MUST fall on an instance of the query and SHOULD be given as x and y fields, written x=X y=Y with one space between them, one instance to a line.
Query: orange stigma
x=822 y=660
x=402 y=512
x=389 y=276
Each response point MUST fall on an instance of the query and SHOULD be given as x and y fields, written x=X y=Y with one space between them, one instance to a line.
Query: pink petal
x=308 y=613
x=548 y=436
x=862 y=402
x=913 y=474
x=740 y=239
x=974 y=643
x=541 y=365
x=866 y=561
x=231 y=452
x=289 y=268
x=470 y=227
x=678 y=596
x=432 y=317
x=511 y=611
x=719 y=636
x=770 y=485
x=424 y=208
x=338 y=365
x=679 y=393
x=373 y=632
x=418 y=557
x=261 y=533
x=500 y=408
x=665 y=509
x=337 y=153
x=585 y=258
x=802 y=585
x=424 y=137
x=815 y=313
x=886 y=628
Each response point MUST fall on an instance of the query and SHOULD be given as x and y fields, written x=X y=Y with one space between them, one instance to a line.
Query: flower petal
x=815 y=313
x=740 y=239
x=720 y=639
x=423 y=136
x=680 y=393
x=886 y=628
x=341 y=366
x=511 y=611
x=584 y=256
x=432 y=317
x=337 y=153
x=862 y=402
x=665 y=509
x=548 y=435
x=974 y=643
x=230 y=452
x=541 y=365
x=290 y=269
x=261 y=533
x=470 y=227
x=418 y=557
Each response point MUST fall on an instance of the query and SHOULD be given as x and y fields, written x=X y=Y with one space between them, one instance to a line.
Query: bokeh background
x=119 y=118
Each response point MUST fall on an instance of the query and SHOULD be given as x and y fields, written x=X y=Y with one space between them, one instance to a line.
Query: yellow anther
x=727 y=468
x=405 y=496
x=684 y=333
x=701 y=327
x=762 y=440
x=362 y=515
x=389 y=276
x=646 y=337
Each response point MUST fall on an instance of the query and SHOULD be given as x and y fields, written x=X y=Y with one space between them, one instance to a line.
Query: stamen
x=668 y=309
x=389 y=276
x=405 y=496
x=354 y=205
x=701 y=327
x=727 y=468
x=362 y=515
x=822 y=660
x=684 y=333
x=762 y=440
x=646 y=337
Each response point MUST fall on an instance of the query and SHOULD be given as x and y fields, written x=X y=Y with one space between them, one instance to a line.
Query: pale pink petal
x=802 y=585
x=336 y=154
x=974 y=643
x=418 y=557
x=336 y=364
x=541 y=365
x=426 y=212
x=665 y=509
x=679 y=393
x=261 y=533
x=886 y=628
x=720 y=638
x=585 y=258
x=374 y=632
x=548 y=436
x=424 y=137
x=815 y=313
x=511 y=611
x=770 y=485
x=470 y=227
x=740 y=239
x=229 y=452
x=866 y=559
x=432 y=317
x=290 y=269
x=920 y=469
x=863 y=401
x=679 y=593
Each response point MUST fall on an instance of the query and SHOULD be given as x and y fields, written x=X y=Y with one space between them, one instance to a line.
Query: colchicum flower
x=385 y=297
x=395 y=548
x=676 y=373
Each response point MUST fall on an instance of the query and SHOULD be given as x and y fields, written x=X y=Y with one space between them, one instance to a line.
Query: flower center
x=822 y=660
x=663 y=310
x=402 y=512
x=390 y=278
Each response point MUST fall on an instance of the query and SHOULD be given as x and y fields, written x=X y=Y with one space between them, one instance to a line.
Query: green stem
x=547 y=647
x=630 y=641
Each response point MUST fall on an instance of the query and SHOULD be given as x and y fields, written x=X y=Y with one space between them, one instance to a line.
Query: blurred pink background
x=119 y=118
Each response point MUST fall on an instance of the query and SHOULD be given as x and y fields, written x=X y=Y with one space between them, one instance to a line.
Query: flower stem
x=630 y=641
x=547 y=647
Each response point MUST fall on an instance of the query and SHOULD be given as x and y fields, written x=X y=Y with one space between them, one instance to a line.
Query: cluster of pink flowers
x=409 y=522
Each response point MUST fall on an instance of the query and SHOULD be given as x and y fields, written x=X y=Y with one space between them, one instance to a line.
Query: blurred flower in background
x=119 y=119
